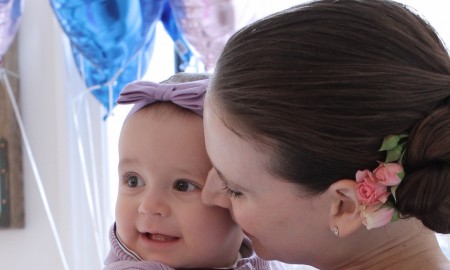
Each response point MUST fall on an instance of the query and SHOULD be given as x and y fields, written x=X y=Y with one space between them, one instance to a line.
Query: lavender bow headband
x=189 y=95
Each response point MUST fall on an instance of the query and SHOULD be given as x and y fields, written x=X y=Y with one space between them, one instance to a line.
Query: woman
x=299 y=106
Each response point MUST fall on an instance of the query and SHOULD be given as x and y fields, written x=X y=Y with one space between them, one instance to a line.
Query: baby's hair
x=182 y=77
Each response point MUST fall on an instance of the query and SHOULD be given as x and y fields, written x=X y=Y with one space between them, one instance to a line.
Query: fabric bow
x=189 y=95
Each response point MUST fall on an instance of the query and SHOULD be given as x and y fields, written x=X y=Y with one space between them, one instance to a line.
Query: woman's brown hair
x=321 y=84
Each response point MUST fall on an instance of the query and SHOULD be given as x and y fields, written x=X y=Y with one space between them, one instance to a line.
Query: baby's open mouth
x=160 y=237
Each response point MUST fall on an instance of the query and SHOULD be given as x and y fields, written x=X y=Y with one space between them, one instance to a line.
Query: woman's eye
x=134 y=181
x=231 y=193
x=184 y=186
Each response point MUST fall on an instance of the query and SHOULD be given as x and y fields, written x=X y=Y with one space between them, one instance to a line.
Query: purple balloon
x=10 y=13
x=206 y=25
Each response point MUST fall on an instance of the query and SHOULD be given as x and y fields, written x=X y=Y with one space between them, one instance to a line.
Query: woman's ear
x=345 y=208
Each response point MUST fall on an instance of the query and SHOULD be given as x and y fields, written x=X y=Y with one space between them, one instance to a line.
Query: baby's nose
x=154 y=204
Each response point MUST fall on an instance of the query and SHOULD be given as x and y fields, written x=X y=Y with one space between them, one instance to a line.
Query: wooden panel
x=11 y=176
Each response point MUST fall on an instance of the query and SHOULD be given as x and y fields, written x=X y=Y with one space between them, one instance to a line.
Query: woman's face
x=282 y=223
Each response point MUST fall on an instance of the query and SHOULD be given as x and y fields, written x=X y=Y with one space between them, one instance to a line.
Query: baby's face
x=159 y=214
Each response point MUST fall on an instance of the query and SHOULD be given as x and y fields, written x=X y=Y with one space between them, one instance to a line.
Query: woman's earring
x=335 y=231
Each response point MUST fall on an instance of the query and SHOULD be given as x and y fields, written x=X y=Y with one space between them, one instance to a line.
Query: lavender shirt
x=120 y=258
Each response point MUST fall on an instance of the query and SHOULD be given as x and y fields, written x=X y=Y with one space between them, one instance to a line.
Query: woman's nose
x=213 y=192
x=154 y=204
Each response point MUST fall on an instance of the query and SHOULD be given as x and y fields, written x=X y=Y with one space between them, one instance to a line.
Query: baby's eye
x=134 y=181
x=184 y=186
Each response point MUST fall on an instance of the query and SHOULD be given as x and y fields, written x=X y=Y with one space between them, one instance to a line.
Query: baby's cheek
x=224 y=219
x=124 y=217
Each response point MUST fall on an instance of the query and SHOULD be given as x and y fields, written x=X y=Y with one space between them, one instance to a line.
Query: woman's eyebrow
x=220 y=174
x=225 y=180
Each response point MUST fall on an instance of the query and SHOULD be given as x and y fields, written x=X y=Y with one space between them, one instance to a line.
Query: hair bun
x=425 y=191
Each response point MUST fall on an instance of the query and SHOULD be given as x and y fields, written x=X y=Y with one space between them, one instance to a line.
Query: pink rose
x=387 y=173
x=365 y=175
x=368 y=191
x=375 y=216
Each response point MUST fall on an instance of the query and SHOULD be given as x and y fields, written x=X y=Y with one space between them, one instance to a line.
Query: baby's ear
x=344 y=208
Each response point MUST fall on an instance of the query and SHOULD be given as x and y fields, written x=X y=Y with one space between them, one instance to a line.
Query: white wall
x=49 y=128
x=42 y=98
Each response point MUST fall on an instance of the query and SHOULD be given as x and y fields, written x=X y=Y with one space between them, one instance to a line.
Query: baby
x=161 y=222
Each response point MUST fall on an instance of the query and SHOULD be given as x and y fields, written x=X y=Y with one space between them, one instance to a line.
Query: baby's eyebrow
x=126 y=161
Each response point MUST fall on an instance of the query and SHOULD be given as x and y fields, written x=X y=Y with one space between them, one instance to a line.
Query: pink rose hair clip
x=374 y=187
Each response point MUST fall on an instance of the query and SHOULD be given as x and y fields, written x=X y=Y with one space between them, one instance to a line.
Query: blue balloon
x=111 y=40
x=181 y=45
x=107 y=93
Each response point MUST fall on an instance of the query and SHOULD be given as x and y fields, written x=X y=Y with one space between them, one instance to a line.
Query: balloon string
x=110 y=100
x=95 y=180
x=13 y=74
x=81 y=59
x=111 y=82
x=87 y=187
x=35 y=169
x=139 y=67
x=111 y=90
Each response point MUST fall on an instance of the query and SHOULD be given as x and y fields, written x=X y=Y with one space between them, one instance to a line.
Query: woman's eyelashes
x=230 y=192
